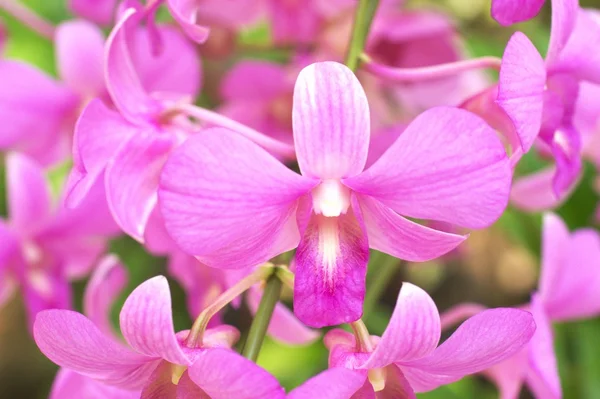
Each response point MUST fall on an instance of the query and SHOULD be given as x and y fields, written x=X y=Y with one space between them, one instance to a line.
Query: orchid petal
x=391 y=233
x=105 y=285
x=331 y=266
x=335 y=383
x=331 y=121
x=480 y=342
x=293 y=22
x=28 y=193
x=98 y=11
x=147 y=322
x=233 y=15
x=79 y=53
x=521 y=88
x=254 y=80
x=160 y=384
x=132 y=180
x=187 y=389
x=510 y=374
x=69 y=384
x=413 y=331
x=185 y=13
x=564 y=17
x=534 y=192
x=209 y=190
x=508 y=12
x=448 y=165
x=224 y=374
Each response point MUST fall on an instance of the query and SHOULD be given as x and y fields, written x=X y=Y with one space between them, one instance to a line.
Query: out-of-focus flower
x=444 y=163
x=156 y=361
x=407 y=359
x=43 y=247
x=508 y=12
x=100 y=12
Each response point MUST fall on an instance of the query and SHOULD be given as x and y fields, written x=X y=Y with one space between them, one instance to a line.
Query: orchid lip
x=331 y=198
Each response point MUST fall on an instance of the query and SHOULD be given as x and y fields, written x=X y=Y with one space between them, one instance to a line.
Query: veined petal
x=480 y=342
x=225 y=199
x=79 y=53
x=98 y=11
x=99 y=133
x=535 y=193
x=331 y=266
x=521 y=88
x=185 y=13
x=413 y=331
x=105 y=285
x=147 y=322
x=335 y=383
x=391 y=233
x=224 y=374
x=69 y=384
x=448 y=165
x=132 y=177
x=564 y=17
x=331 y=121
x=28 y=194
x=508 y=12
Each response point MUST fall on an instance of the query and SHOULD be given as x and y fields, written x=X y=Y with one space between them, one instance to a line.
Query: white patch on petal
x=329 y=247
x=40 y=282
x=331 y=198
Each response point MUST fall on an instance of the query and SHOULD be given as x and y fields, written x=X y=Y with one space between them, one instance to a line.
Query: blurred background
x=496 y=267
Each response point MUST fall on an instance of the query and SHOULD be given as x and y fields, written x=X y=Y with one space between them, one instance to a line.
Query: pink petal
x=480 y=342
x=160 y=384
x=43 y=289
x=508 y=12
x=79 y=54
x=543 y=376
x=521 y=88
x=391 y=233
x=564 y=16
x=28 y=194
x=284 y=326
x=132 y=180
x=331 y=266
x=223 y=374
x=396 y=385
x=413 y=331
x=99 y=134
x=535 y=193
x=293 y=22
x=570 y=282
x=510 y=374
x=187 y=389
x=72 y=341
x=448 y=165
x=147 y=322
x=185 y=13
x=335 y=383
x=122 y=80
x=214 y=184
x=230 y=14
x=331 y=121
x=254 y=80
x=10 y=247
x=98 y=11
x=69 y=384
x=102 y=291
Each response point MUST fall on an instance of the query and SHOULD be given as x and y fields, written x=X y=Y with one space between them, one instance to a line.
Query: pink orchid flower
x=43 y=248
x=231 y=204
x=569 y=289
x=156 y=361
x=508 y=12
x=407 y=359
x=100 y=12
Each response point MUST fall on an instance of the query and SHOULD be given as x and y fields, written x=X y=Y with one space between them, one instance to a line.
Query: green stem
x=362 y=23
x=386 y=267
x=261 y=321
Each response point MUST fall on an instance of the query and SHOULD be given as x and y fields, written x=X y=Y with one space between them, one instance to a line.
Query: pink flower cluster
x=309 y=155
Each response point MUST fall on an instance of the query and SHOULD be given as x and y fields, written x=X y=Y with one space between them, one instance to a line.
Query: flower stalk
x=362 y=24
x=28 y=18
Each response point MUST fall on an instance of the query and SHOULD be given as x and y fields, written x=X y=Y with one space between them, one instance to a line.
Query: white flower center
x=331 y=198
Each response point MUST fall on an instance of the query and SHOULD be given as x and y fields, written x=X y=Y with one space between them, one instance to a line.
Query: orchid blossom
x=508 y=12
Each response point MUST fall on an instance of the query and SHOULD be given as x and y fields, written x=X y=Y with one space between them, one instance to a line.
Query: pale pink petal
x=28 y=194
x=448 y=165
x=293 y=22
x=391 y=233
x=72 y=341
x=132 y=179
x=225 y=199
x=331 y=121
x=284 y=326
x=480 y=342
x=335 y=383
x=564 y=17
x=79 y=56
x=99 y=133
x=510 y=375
x=413 y=331
x=535 y=193
x=79 y=255
x=102 y=291
x=331 y=266
x=185 y=13
x=98 y=11
x=254 y=80
x=122 y=80
x=224 y=374
x=508 y=12
x=147 y=322
x=459 y=313
x=521 y=88
x=69 y=384
x=570 y=282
